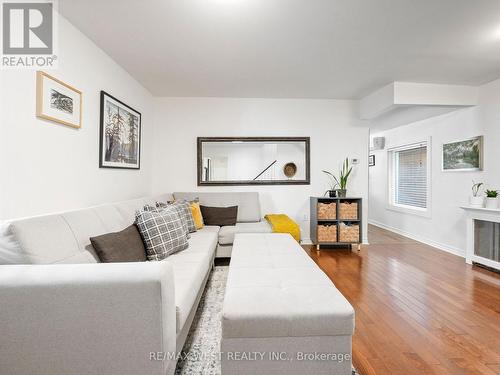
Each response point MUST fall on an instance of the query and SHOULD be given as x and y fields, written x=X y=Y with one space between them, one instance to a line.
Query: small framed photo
x=464 y=155
x=371 y=160
x=57 y=101
x=120 y=134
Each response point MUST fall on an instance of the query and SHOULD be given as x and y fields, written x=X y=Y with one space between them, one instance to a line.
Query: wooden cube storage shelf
x=336 y=221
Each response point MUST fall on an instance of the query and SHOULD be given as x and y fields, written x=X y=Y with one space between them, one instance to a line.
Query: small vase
x=492 y=203
x=332 y=193
x=341 y=193
x=476 y=201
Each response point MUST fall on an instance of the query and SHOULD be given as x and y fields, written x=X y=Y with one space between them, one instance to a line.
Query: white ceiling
x=293 y=48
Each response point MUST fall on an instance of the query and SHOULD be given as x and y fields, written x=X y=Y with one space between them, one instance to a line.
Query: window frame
x=391 y=205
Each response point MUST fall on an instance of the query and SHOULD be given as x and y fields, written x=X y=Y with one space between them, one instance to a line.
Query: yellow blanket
x=283 y=224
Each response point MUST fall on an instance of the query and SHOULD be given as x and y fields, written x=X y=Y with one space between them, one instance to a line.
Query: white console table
x=490 y=257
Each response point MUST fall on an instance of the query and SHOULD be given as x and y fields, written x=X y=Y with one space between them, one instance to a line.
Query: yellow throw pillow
x=197 y=216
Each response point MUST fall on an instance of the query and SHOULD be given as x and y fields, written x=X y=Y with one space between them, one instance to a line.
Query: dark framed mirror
x=253 y=161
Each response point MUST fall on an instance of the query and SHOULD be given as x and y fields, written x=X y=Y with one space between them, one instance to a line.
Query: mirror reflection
x=253 y=161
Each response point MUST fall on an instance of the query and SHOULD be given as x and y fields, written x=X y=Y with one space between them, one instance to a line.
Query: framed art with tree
x=120 y=134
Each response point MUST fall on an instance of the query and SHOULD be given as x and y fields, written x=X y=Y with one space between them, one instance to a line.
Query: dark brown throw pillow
x=220 y=216
x=123 y=246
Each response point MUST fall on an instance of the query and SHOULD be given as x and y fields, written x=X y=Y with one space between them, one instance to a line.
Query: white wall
x=47 y=167
x=446 y=227
x=330 y=124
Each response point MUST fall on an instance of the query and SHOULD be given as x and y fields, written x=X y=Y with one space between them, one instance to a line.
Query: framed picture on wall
x=465 y=155
x=120 y=134
x=57 y=101
x=371 y=160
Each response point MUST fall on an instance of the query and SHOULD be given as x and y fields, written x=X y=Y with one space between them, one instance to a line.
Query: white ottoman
x=281 y=313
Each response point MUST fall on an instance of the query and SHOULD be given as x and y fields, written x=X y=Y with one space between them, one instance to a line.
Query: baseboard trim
x=440 y=246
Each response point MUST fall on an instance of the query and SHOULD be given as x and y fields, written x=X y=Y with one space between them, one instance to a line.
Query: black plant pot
x=332 y=193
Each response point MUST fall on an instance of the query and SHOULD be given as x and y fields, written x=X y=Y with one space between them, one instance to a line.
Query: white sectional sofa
x=62 y=312
x=249 y=215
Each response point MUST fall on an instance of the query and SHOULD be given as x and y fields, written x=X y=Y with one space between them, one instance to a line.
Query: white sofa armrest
x=87 y=319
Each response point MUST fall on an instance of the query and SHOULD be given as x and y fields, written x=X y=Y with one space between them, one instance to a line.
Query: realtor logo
x=28 y=34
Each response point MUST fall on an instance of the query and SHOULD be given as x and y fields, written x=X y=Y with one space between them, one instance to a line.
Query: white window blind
x=410 y=177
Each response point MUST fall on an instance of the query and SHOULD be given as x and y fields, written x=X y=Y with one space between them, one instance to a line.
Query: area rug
x=200 y=352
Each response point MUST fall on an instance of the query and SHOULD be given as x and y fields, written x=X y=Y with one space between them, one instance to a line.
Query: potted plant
x=332 y=192
x=476 y=200
x=341 y=181
x=491 y=198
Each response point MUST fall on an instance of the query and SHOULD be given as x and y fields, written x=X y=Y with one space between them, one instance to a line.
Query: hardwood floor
x=419 y=310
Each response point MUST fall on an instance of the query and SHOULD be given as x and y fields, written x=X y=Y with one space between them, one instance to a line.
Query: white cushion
x=10 y=250
x=80 y=258
x=64 y=237
x=190 y=268
x=188 y=280
x=128 y=209
x=111 y=218
x=45 y=239
x=227 y=233
x=203 y=240
x=84 y=224
x=295 y=298
x=209 y=228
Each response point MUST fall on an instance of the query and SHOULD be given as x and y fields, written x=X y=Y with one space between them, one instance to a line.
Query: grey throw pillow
x=123 y=246
x=161 y=207
x=184 y=209
x=162 y=232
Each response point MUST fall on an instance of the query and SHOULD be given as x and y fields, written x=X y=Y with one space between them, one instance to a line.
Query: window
x=409 y=178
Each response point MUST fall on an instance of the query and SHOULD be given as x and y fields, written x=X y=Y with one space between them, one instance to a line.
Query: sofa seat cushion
x=295 y=298
x=210 y=228
x=201 y=247
x=226 y=234
x=190 y=269
x=188 y=279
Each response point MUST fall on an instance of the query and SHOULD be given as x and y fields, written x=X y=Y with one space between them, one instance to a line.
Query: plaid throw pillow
x=150 y=208
x=160 y=207
x=162 y=232
x=184 y=209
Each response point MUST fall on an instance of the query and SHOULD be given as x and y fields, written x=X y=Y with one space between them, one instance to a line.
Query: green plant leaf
x=328 y=173
x=491 y=193
x=335 y=182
